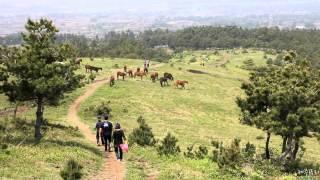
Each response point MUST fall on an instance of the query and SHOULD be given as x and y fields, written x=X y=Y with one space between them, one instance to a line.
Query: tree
x=40 y=71
x=284 y=101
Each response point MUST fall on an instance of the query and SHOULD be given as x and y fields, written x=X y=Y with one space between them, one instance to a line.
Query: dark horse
x=168 y=76
x=92 y=68
x=164 y=81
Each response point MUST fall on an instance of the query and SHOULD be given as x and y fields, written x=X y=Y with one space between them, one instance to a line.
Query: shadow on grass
x=20 y=141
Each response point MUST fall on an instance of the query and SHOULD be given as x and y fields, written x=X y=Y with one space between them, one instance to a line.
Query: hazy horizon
x=162 y=7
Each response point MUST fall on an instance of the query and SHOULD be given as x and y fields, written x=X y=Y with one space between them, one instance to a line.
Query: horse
x=130 y=72
x=163 y=81
x=141 y=74
x=154 y=76
x=125 y=68
x=123 y=74
x=111 y=81
x=181 y=83
x=78 y=61
x=138 y=69
x=168 y=76
x=92 y=68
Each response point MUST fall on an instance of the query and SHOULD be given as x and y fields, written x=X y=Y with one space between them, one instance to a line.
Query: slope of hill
x=204 y=111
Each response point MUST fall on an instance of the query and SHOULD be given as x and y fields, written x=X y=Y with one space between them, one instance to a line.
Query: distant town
x=98 y=24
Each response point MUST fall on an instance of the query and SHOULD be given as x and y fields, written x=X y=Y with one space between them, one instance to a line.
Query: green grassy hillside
x=204 y=111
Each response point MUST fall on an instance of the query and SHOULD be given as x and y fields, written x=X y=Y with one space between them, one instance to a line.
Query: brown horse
x=180 y=83
x=130 y=73
x=92 y=68
x=140 y=74
x=78 y=61
x=123 y=74
x=154 y=76
x=111 y=81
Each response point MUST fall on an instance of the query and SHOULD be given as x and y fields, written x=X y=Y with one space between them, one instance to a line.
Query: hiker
x=118 y=139
x=99 y=132
x=148 y=63
x=107 y=133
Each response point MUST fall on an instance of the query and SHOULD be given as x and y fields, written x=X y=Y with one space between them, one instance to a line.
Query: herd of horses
x=154 y=76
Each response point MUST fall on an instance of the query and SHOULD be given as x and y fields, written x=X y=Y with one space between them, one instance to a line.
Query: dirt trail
x=112 y=169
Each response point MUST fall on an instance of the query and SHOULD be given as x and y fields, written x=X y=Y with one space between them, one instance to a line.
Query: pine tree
x=284 y=101
x=40 y=70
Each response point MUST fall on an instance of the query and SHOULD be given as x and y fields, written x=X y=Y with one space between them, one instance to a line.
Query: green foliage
x=200 y=153
x=269 y=61
x=72 y=170
x=248 y=64
x=249 y=150
x=227 y=157
x=103 y=108
x=116 y=66
x=92 y=77
x=193 y=59
x=38 y=70
x=284 y=101
x=142 y=135
x=245 y=51
x=168 y=146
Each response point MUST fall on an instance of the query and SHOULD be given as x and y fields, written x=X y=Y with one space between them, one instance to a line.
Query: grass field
x=202 y=112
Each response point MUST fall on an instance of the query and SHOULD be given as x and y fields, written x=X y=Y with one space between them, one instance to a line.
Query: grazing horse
x=92 y=68
x=181 y=83
x=111 y=81
x=140 y=74
x=78 y=61
x=164 y=81
x=154 y=76
x=168 y=76
x=125 y=68
x=130 y=72
x=123 y=74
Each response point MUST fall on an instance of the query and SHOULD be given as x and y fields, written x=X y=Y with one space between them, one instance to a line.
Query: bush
x=249 y=150
x=245 y=51
x=102 y=108
x=227 y=157
x=116 y=66
x=92 y=77
x=269 y=61
x=168 y=146
x=72 y=171
x=193 y=59
x=142 y=135
x=201 y=153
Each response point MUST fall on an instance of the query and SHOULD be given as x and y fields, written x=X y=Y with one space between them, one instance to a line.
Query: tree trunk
x=39 y=114
x=15 y=111
x=295 y=150
x=267 y=145
x=284 y=143
x=288 y=149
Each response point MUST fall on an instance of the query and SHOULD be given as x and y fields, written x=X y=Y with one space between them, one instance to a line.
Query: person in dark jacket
x=98 y=132
x=107 y=133
x=118 y=138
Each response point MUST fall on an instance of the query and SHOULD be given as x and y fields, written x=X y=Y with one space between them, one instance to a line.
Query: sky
x=187 y=7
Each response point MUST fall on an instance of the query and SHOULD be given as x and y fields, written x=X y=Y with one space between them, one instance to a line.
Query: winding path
x=112 y=169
